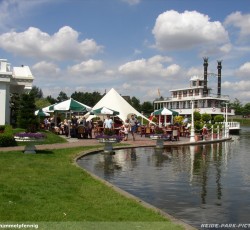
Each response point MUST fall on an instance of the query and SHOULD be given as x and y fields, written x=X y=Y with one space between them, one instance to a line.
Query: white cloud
x=174 y=30
x=195 y=72
x=87 y=67
x=63 y=45
x=239 y=90
x=45 y=68
x=226 y=48
x=237 y=86
x=132 y=2
x=153 y=67
x=240 y=21
x=244 y=70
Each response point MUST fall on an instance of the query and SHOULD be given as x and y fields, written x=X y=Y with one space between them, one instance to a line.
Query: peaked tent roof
x=115 y=101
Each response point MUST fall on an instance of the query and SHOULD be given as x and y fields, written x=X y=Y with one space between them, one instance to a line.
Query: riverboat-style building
x=198 y=93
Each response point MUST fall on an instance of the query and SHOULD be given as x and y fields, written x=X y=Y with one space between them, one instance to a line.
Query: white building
x=12 y=80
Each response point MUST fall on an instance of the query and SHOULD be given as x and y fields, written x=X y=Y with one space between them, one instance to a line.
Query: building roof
x=22 y=72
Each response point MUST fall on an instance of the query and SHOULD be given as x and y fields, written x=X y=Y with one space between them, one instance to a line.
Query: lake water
x=207 y=184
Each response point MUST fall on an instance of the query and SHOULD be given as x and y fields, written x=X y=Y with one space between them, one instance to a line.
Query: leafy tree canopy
x=42 y=102
x=147 y=107
x=37 y=92
x=89 y=99
x=62 y=97
x=206 y=117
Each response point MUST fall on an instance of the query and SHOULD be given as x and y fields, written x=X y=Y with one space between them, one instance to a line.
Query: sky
x=141 y=48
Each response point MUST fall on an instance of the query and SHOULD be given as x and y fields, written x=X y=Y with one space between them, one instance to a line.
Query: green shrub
x=7 y=138
x=218 y=118
x=2 y=127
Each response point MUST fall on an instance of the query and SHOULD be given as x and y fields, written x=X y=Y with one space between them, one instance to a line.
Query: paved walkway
x=140 y=141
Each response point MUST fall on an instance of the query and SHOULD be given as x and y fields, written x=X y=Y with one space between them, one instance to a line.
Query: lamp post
x=226 y=125
x=226 y=112
x=192 y=139
x=142 y=118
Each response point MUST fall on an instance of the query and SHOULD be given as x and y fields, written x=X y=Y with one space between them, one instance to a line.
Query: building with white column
x=12 y=80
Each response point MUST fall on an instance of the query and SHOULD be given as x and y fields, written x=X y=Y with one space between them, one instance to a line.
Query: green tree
x=246 y=109
x=62 y=97
x=219 y=118
x=41 y=103
x=197 y=116
x=206 y=117
x=136 y=104
x=89 y=99
x=14 y=107
x=147 y=107
x=26 y=118
x=237 y=106
x=37 y=92
x=51 y=100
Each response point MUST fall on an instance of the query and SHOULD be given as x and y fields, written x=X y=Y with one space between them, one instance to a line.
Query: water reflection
x=199 y=184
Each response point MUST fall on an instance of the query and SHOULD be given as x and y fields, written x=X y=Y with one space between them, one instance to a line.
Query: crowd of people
x=79 y=127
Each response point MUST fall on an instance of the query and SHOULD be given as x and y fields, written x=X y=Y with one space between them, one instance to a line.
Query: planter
x=196 y=137
x=31 y=140
x=30 y=146
x=108 y=144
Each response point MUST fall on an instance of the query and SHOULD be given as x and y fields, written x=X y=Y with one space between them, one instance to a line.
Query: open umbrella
x=70 y=105
x=41 y=113
x=165 y=112
x=104 y=111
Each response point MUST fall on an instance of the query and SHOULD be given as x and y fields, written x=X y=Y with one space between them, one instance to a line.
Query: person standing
x=108 y=123
x=133 y=125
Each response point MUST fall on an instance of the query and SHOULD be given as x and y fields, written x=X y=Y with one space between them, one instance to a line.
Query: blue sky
x=138 y=47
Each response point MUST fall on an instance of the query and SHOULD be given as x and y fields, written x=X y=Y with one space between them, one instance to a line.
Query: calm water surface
x=198 y=184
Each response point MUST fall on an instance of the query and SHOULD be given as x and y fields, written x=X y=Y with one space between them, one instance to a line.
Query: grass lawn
x=48 y=188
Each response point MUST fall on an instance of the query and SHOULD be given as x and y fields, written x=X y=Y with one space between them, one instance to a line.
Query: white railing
x=232 y=125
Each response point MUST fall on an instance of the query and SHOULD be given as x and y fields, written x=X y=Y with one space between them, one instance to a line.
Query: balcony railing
x=198 y=96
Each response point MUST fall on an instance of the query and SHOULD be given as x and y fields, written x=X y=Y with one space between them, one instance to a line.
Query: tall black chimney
x=205 y=64
x=219 y=67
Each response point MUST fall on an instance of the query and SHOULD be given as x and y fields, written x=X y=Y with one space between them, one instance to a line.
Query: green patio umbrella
x=41 y=113
x=104 y=111
x=165 y=112
x=70 y=105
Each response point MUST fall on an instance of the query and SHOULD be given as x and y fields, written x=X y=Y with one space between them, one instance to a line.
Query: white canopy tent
x=115 y=101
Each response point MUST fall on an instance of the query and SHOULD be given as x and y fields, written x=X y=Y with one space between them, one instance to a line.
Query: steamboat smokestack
x=205 y=64
x=219 y=67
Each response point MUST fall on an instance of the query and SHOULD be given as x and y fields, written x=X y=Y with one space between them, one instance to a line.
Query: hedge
x=7 y=138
